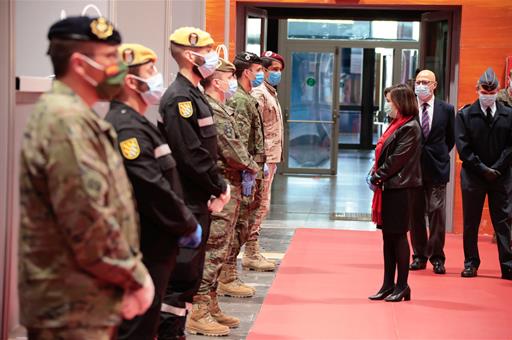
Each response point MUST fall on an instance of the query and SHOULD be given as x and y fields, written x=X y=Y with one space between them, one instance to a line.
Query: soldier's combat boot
x=253 y=260
x=219 y=316
x=200 y=321
x=231 y=285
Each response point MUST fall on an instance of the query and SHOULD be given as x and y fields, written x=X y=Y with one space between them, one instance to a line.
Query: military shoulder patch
x=130 y=148
x=185 y=109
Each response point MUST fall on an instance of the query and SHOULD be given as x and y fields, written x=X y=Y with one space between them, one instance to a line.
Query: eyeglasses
x=423 y=82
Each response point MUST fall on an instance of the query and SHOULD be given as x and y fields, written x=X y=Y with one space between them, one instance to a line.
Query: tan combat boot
x=200 y=320
x=253 y=260
x=219 y=316
x=231 y=285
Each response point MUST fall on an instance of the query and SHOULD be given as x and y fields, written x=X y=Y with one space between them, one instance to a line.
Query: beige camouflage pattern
x=505 y=97
x=78 y=244
x=233 y=158
x=272 y=117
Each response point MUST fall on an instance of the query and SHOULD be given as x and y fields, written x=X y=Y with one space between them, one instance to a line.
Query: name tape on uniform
x=162 y=150
x=205 y=121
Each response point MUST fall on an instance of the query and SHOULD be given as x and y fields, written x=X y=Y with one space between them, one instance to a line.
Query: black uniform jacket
x=482 y=145
x=435 y=157
x=152 y=171
x=187 y=121
x=399 y=164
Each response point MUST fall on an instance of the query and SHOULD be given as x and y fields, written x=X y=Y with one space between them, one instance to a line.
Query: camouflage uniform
x=504 y=96
x=270 y=110
x=78 y=244
x=250 y=127
x=233 y=158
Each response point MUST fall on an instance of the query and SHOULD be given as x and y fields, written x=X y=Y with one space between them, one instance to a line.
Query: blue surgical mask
x=422 y=91
x=487 y=100
x=232 y=87
x=274 y=78
x=156 y=88
x=258 y=80
x=211 y=61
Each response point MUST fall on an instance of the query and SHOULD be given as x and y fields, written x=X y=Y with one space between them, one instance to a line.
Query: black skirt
x=397 y=205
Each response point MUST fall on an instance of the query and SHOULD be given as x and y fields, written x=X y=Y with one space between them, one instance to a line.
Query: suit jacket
x=435 y=156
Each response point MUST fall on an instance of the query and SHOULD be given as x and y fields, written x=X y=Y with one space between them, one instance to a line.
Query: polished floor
x=303 y=202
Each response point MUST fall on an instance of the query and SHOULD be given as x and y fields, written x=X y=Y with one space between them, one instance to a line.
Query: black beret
x=84 y=28
x=248 y=57
x=488 y=81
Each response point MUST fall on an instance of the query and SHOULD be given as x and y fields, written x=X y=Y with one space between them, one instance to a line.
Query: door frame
x=286 y=46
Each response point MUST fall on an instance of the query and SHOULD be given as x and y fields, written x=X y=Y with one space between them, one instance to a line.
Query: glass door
x=311 y=117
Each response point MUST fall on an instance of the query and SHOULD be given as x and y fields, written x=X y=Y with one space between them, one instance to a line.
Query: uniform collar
x=270 y=88
x=122 y=108
x=59 y=87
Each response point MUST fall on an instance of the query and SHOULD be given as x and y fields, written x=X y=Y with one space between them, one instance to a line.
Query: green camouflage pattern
x=233 y=158
x=505 y=97
x=78 y=242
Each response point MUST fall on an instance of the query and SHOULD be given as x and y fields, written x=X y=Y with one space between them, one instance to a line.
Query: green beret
x=85 y=29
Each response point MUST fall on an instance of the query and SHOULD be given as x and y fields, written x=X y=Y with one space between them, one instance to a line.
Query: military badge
x=128 y=56
x=228 y=131
x=192 y=39
x=185 y=109
x=130 y=148
x=102 y=28
x=268 y=54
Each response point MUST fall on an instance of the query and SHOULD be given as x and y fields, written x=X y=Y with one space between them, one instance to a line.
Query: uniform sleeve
x=243 y=119
x=193 y=158
x=450 y=128
x=505 y=160
x=259 y=136
x=231 y=148
x=78 y=181
x=155 y=197
x=462 y=140
x=406 y=147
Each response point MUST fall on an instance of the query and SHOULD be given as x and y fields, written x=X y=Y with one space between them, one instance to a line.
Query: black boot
x=172 y=327
x=400 y=294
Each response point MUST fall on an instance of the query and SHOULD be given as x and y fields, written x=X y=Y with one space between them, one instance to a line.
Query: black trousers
x=432 y=205
x=184 y=282
x=146 y=326
x=474 y=190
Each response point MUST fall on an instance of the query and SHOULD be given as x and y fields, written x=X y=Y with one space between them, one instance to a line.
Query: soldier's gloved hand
x=248 y=180
x=192 y=240
x=266 y=171
x=491 y=175
x=138 y=301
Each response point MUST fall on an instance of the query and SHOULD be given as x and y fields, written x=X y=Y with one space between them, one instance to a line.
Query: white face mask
x=487 y=100
x=387 y=108
x=156 y=89
x=422 y=91
x=211 y=61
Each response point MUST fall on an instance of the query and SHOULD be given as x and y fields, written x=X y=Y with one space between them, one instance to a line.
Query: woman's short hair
x=404 y=99
x=388 y=89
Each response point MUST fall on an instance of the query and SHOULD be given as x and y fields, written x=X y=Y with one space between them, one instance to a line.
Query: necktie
x=489 y=115
x=425 y=120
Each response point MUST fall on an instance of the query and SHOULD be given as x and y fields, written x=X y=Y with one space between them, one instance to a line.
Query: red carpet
x=321 y=290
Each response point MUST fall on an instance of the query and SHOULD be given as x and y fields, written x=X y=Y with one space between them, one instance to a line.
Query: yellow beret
x=191 y=36
x=136 y=54
x=225 y=66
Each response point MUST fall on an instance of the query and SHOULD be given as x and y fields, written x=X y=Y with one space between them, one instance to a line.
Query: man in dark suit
x=483 y=133
x=437 y=124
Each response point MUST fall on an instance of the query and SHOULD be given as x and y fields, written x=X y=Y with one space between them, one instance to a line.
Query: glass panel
x=383 y=79
x=309 y=145
x=409 y=66
x=436 y=52
x=311 y=86
x=253 y=41
x=350 y=95
x=353 y=30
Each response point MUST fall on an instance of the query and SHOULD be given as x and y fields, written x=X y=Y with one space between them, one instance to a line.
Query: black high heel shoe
x=382 y=293
x=397 y=296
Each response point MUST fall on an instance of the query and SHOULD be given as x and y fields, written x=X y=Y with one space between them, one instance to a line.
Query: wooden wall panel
x=486 y=31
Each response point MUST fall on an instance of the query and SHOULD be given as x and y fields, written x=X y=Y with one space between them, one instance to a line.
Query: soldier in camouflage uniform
x=505 y=95
x=207 y=317
x=80 y=267
x=249 y=73
x=270 y=110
